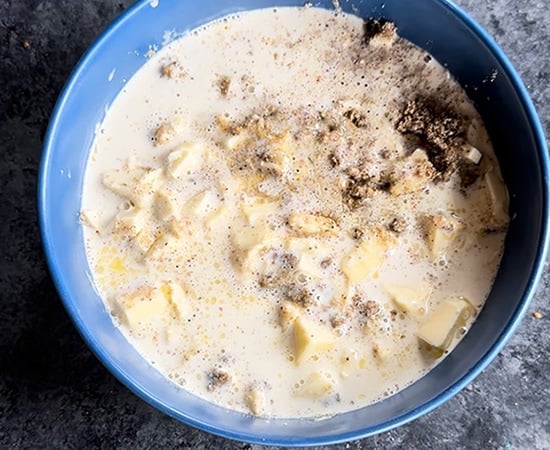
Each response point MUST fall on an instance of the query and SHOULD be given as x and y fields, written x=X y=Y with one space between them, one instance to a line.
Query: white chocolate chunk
x=144 y=240
x=441 y=325
x=123 y=181
x=310 y=253
x=235 y=141
x=282 y=152
x=254 y=400
x=168 y=131
x=409 y=299
x=365 y=259
x=412 y=173
x=257 y=210
x=91 y=219
x=141 y=306
x=318 y=384
x=247 y=238
x=178 y=299
x=308 y=224
x=166 y=205
x=130 y=221
x=219 y=220
x=289 y=312
x=144 y=191
x=309 y=338
x=163 y=247
x=441 y=231
x=249 y=242
x=473 y=154
x=187 y=158
x=202 y=204
x=498 y=196
x=135 y=183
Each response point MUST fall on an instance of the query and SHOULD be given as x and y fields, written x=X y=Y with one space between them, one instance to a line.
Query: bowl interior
x=435 y=25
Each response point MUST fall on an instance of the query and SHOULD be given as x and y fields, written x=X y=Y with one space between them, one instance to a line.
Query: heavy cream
x=293 y=213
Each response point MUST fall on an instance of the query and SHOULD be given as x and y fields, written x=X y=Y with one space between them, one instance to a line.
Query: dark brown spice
x=217 y=378
x=440 y=131
x=397 y=225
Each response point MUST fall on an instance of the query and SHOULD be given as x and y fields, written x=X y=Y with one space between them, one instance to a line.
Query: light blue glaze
x=436 y=25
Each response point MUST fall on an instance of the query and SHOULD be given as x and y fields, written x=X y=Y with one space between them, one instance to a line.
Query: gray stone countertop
x=55 y=394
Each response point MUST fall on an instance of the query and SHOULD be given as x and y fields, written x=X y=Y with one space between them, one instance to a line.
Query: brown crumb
x=168 y=70
x=26 y=45
x=357 y=233
x=326 y=262
x=370 y=308
x=284 y=271
x=299 y=295
x=397 y=225
x=224 y=83
x=358 y=188
x=217 y=378
x=439 y=130
x=537 y=315
x=373 y=27
x=356 y=118
x=334 y=160
x=387 y=153
x=164 y=133
x=337 y=321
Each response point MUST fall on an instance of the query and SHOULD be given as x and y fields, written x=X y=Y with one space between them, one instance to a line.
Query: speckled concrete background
x=55 y=394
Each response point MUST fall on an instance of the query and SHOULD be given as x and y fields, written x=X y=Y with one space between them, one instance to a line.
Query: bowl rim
x=220 y=430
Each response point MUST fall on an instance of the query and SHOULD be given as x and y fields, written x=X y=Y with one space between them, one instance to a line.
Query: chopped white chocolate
x=167 y=131
x=288 y=314
x=365 y=260
x=166 y=205
x=123 y=181
x=308 y=224
x=318 y=384
x=440 y=231
x=254 y=399
x=129 y=221
x=411 y=174
x=309 y=338
x=257 y=210
x=162 y=248
x=203 y=204
x=185 y=159
x=498 y=196
x=144 y=240
x=441 y=325
x=233 y=142
x=178 y=299
x=409 y=299
x=141 y=306
x=310 y=253
x=146 y=187
x=90 y=218
x=472 y=154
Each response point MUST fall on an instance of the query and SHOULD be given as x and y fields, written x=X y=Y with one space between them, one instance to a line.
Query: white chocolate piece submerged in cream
x=269 y=222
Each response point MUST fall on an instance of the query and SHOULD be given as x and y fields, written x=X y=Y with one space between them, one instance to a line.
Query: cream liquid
x=301 y=59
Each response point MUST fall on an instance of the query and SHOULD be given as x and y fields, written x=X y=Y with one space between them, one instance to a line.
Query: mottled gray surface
x=54 y=393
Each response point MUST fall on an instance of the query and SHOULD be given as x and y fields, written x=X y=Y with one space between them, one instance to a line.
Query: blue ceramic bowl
x=436 y=25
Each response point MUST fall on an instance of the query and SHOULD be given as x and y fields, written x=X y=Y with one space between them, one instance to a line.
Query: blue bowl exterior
x=436 y=25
